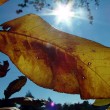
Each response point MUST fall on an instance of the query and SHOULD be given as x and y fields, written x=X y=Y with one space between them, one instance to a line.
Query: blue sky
x=99 y=32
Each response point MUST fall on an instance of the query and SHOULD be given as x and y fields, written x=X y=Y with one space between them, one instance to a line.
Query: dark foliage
x=4 y=68
x=6 y=103
x=31 y=107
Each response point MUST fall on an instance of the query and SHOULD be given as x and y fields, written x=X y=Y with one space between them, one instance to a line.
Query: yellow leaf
x=101 y=102
x=57 y=60
x=3 y=1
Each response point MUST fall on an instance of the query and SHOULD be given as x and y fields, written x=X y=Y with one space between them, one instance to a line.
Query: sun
x=63 y=13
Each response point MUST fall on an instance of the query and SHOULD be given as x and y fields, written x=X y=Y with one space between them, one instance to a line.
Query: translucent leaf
x=3 y=1
x=57 y=60
x=101 y=102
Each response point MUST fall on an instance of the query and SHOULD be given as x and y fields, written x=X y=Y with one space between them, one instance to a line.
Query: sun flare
x=63 y=13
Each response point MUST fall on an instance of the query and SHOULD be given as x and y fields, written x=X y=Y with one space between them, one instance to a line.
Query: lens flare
x=63 y=13
x=52 y=104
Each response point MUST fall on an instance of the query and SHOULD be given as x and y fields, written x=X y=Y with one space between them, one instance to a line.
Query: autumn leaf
x=4 y=68
x=55 y=59
x=15 y=86
x=3 y=1
x=101 y=102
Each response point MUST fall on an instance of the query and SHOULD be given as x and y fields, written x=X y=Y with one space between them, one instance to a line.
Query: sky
x=99 y=32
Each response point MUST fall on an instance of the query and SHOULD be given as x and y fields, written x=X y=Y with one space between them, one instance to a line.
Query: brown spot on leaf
x=63 y=65
x=13 y=40
x=26 y=44
x=89 y=63
x=93 y=50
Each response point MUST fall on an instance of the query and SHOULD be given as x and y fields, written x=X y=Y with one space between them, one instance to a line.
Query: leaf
x=15 y=86
x=55 y=59
x=3 y=1
x=101 y=102
x=4 y=68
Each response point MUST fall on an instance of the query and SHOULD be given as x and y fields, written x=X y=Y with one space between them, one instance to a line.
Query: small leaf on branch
x=4 y=68
x=15 y=86
x=101 y=102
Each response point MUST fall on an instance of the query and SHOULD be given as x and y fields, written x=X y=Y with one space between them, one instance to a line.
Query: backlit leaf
x=101 y=102
x=3 y=1
x=55 y=59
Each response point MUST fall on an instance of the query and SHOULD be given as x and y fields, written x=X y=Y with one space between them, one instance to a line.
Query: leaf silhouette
x=55 y=59
x=4 y=68
x=3 y=1
x=15 y=86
